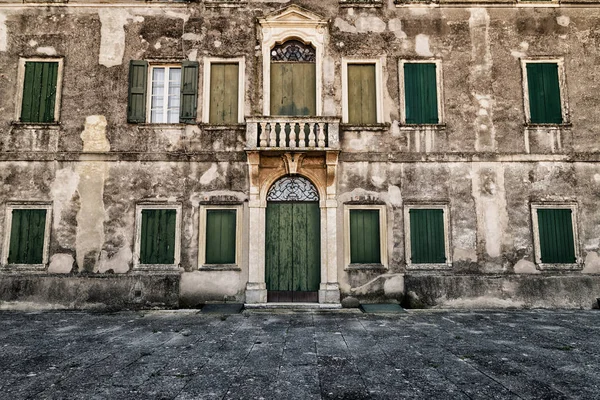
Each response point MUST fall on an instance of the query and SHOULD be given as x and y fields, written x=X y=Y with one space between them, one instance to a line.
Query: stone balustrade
x=292 y=133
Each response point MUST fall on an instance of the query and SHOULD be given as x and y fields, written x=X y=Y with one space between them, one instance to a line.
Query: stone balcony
x=292 y=133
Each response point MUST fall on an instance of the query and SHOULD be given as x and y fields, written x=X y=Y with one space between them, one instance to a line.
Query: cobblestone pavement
x=301 y=355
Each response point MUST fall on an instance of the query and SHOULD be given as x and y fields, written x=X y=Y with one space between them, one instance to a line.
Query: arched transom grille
x=293 y=188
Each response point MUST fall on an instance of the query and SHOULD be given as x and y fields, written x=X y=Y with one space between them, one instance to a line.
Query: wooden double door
x=293 y=252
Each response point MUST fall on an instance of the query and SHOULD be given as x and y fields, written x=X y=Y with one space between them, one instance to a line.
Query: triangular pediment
x=293 y=14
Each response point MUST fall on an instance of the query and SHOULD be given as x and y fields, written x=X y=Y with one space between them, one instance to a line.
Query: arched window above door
x=293 y=188
x=293 y=50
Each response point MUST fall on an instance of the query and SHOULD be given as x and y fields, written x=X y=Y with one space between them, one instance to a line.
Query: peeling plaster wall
x=95 y=167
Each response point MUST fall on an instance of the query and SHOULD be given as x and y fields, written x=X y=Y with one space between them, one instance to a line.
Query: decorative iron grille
x=293 y=50
x=293 y=188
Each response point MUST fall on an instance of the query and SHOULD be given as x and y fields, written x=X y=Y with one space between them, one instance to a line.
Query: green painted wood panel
x=224 y=86
x=427 y=240
x=136 y=107
x=292 y=257
x=189 y=92
x=157 y=243
x=293 y=89
x=27 y=236
x=362 y=94
x=420 y=93
x=556 y=235
x=39 y=91
x=544 y=93
x=220 y=236
x=365 y=247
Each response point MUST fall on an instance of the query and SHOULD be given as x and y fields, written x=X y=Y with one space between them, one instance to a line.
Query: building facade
x=178 y=153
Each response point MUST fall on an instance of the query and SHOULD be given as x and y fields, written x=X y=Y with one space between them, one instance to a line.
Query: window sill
x=538 y=4
x=219 y=267
x=369 y=127
x=225 y=3
x=419 y=127
x=223 y=127
x=416 y=3
x=36 y=125
x=157 y=267
x=366 y=267
x=564 y=125
x=429 y=266
x=178 y=125
x=24 y=268
x=559 y=267
x=361 y=4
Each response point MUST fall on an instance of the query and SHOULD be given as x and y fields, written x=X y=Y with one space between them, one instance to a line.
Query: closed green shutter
x=362 y=94
x=189 y=92
x=364 y=237
x=39 y=91
x=27 y=236
x=138 y=75
x=157 y=243
x=220 y=236
x=427 y=240
x=556 y=235
x=420 y=87
x=224 y=84
x=544 y=93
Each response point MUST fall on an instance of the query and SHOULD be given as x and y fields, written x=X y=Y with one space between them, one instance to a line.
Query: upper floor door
x=293 y=79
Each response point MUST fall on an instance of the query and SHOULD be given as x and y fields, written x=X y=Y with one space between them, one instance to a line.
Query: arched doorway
x=292 y=241
x=293 y=79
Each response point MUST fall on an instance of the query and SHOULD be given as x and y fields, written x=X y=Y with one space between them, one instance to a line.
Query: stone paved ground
x=188 y=355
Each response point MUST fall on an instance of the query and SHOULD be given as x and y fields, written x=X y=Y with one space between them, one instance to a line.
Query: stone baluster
x=273 y=134
x=311 y=134
x=263 y=134
x=293 y=143
x=321 y=127
x=301 y=135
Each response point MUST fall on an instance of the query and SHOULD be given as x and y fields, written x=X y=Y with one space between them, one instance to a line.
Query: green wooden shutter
x=189 y=92
x=427 y=240
x=544 y=93
x=224 y=85
x=293 y=88
x=556 y=235
x=364 y=237
x=362 y=94
x=157 y=243
x=420 y=93
x=138 y=75
x=39 y=91
x=220 y=236
x=27 y=236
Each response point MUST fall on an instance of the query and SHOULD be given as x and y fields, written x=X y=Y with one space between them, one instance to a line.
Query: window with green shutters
x=224 y=89
x=555 y=229
x=220 y=236
x=39 y=92
x=427 y=236
x=27 y=235
x=362 y=94
x=420 y=93
x=169 y=94
x=365 y=245
x=543 y=90
x=158 y=236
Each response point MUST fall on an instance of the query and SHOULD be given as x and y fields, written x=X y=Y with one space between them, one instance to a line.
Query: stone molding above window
x=26 y=205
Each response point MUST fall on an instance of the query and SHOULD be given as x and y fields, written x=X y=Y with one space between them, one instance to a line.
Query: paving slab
x=537 y=354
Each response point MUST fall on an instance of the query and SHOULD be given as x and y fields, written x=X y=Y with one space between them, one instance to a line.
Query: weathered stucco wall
x=95 y=167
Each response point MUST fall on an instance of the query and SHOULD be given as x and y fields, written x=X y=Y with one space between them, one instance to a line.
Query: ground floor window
x=427 y=236
x=365 y=235
x=220 y=235
x=158 y=235
x=554 y=233
x=28 y=233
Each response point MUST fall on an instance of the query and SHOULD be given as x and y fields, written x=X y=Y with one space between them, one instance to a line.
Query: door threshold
x=293 y=306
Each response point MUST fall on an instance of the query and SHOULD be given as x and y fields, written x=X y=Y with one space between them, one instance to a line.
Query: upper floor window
x=163 y=93
x=420 y=86
x=544 y=92
x=41 y=81
x=361 y=92
x=223 y=91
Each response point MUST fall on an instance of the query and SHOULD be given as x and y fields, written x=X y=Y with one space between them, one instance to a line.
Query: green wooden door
x=293 y=88
x=293 y=251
